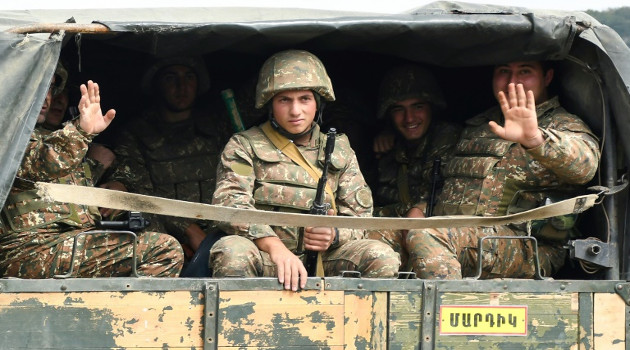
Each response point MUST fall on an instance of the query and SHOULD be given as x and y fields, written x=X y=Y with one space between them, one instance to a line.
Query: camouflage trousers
x=43 y=254
x=236 y=256
x=393 y=238
x=452 y=253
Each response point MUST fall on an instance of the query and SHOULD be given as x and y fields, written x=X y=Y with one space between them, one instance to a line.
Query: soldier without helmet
x=508 y=158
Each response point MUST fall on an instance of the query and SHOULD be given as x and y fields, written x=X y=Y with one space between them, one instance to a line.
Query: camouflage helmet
x=408 y=81
x=195 y=63
x=292 y=70
x=61 y=78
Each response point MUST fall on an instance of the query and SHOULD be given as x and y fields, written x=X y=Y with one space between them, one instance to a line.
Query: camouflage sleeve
x=54 y=155
x=235 y=187
x=353 y=197
x=131 y=170
x=572 y=156
x=97 y=169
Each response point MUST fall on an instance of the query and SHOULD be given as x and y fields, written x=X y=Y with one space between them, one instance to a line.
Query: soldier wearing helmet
x=254 y=172
x=36 y=237
x=410 y=98
x=98 y=156
x=173 y=149
x=508 y=159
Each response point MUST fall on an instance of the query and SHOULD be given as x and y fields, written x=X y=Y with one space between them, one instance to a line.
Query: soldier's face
x=46 y=105
x=411 y=117
x=177 y=85
x=57 y=109
x=528 y=73
x=294 y=110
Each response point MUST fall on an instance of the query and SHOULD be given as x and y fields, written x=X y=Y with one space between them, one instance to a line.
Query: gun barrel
x=435 y=178
x=319 y=207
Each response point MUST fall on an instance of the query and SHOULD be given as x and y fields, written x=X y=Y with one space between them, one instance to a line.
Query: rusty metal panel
x=609 y=320
x=405 y=309
x=277 y=319
x=81 y=320
x=551 y=321
x=365 y=320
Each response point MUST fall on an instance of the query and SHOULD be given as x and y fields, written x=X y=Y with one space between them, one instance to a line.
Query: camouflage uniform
x=410 y=171
x=253 y=174
x=413 y=167
x=405 y=174
x=36 y=236
x=171 y=160
x=483 y=178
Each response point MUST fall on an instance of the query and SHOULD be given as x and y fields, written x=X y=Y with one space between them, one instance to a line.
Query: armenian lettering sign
x=483 y=320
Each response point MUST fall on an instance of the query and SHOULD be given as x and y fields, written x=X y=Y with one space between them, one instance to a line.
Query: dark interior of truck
x=355 y=74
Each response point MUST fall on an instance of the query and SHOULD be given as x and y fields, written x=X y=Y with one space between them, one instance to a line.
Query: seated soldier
x=528 y=145
x=36 y=237
x=99 y=157
x=172 y=151
x=411 y=99
x=259 y=170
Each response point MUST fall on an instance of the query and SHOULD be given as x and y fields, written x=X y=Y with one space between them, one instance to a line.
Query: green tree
x=618 y=19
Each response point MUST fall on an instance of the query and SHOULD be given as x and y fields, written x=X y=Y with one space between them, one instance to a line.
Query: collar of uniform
x=404 y=152
x=315 y=141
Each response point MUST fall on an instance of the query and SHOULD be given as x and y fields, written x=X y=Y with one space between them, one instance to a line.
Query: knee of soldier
x=229 y=251
x=381 y=260
x=418 y=241
x=163 y=243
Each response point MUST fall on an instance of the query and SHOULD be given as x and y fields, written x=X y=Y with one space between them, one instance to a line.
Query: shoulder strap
x=290 y=150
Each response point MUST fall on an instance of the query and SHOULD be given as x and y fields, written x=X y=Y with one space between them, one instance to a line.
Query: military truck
x=585 y=306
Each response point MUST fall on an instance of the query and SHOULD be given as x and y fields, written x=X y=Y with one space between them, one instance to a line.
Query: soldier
x=99 y=157
x=411 y=98
x=254 y=173
x=36 y=237
x=508 y=157
x=173 y=150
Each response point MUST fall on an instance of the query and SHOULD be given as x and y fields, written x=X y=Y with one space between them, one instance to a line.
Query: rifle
x=319 y=207
x=435 y=180
x=134 y=222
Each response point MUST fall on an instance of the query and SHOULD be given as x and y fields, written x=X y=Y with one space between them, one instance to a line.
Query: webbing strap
x=290 y=150
x=101 y=197
x=403 y=184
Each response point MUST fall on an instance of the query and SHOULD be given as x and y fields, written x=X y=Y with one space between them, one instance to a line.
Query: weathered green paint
x=552 y=322
x=32 y=324
x=405 y=309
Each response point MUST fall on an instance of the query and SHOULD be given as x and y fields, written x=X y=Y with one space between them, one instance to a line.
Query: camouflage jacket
x=170 y=160
x=487 y=171
x=253 y=174
x=411 y=170
x=50 y=157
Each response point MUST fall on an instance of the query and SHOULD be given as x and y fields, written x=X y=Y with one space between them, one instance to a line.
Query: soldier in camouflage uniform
x=255 y=174
x=99 y=157
x=36 y=237
x=411 y=98
x=510 y=156
x=172 y=151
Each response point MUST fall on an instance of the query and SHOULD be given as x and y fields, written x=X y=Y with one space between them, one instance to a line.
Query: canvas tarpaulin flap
x=27 y=64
